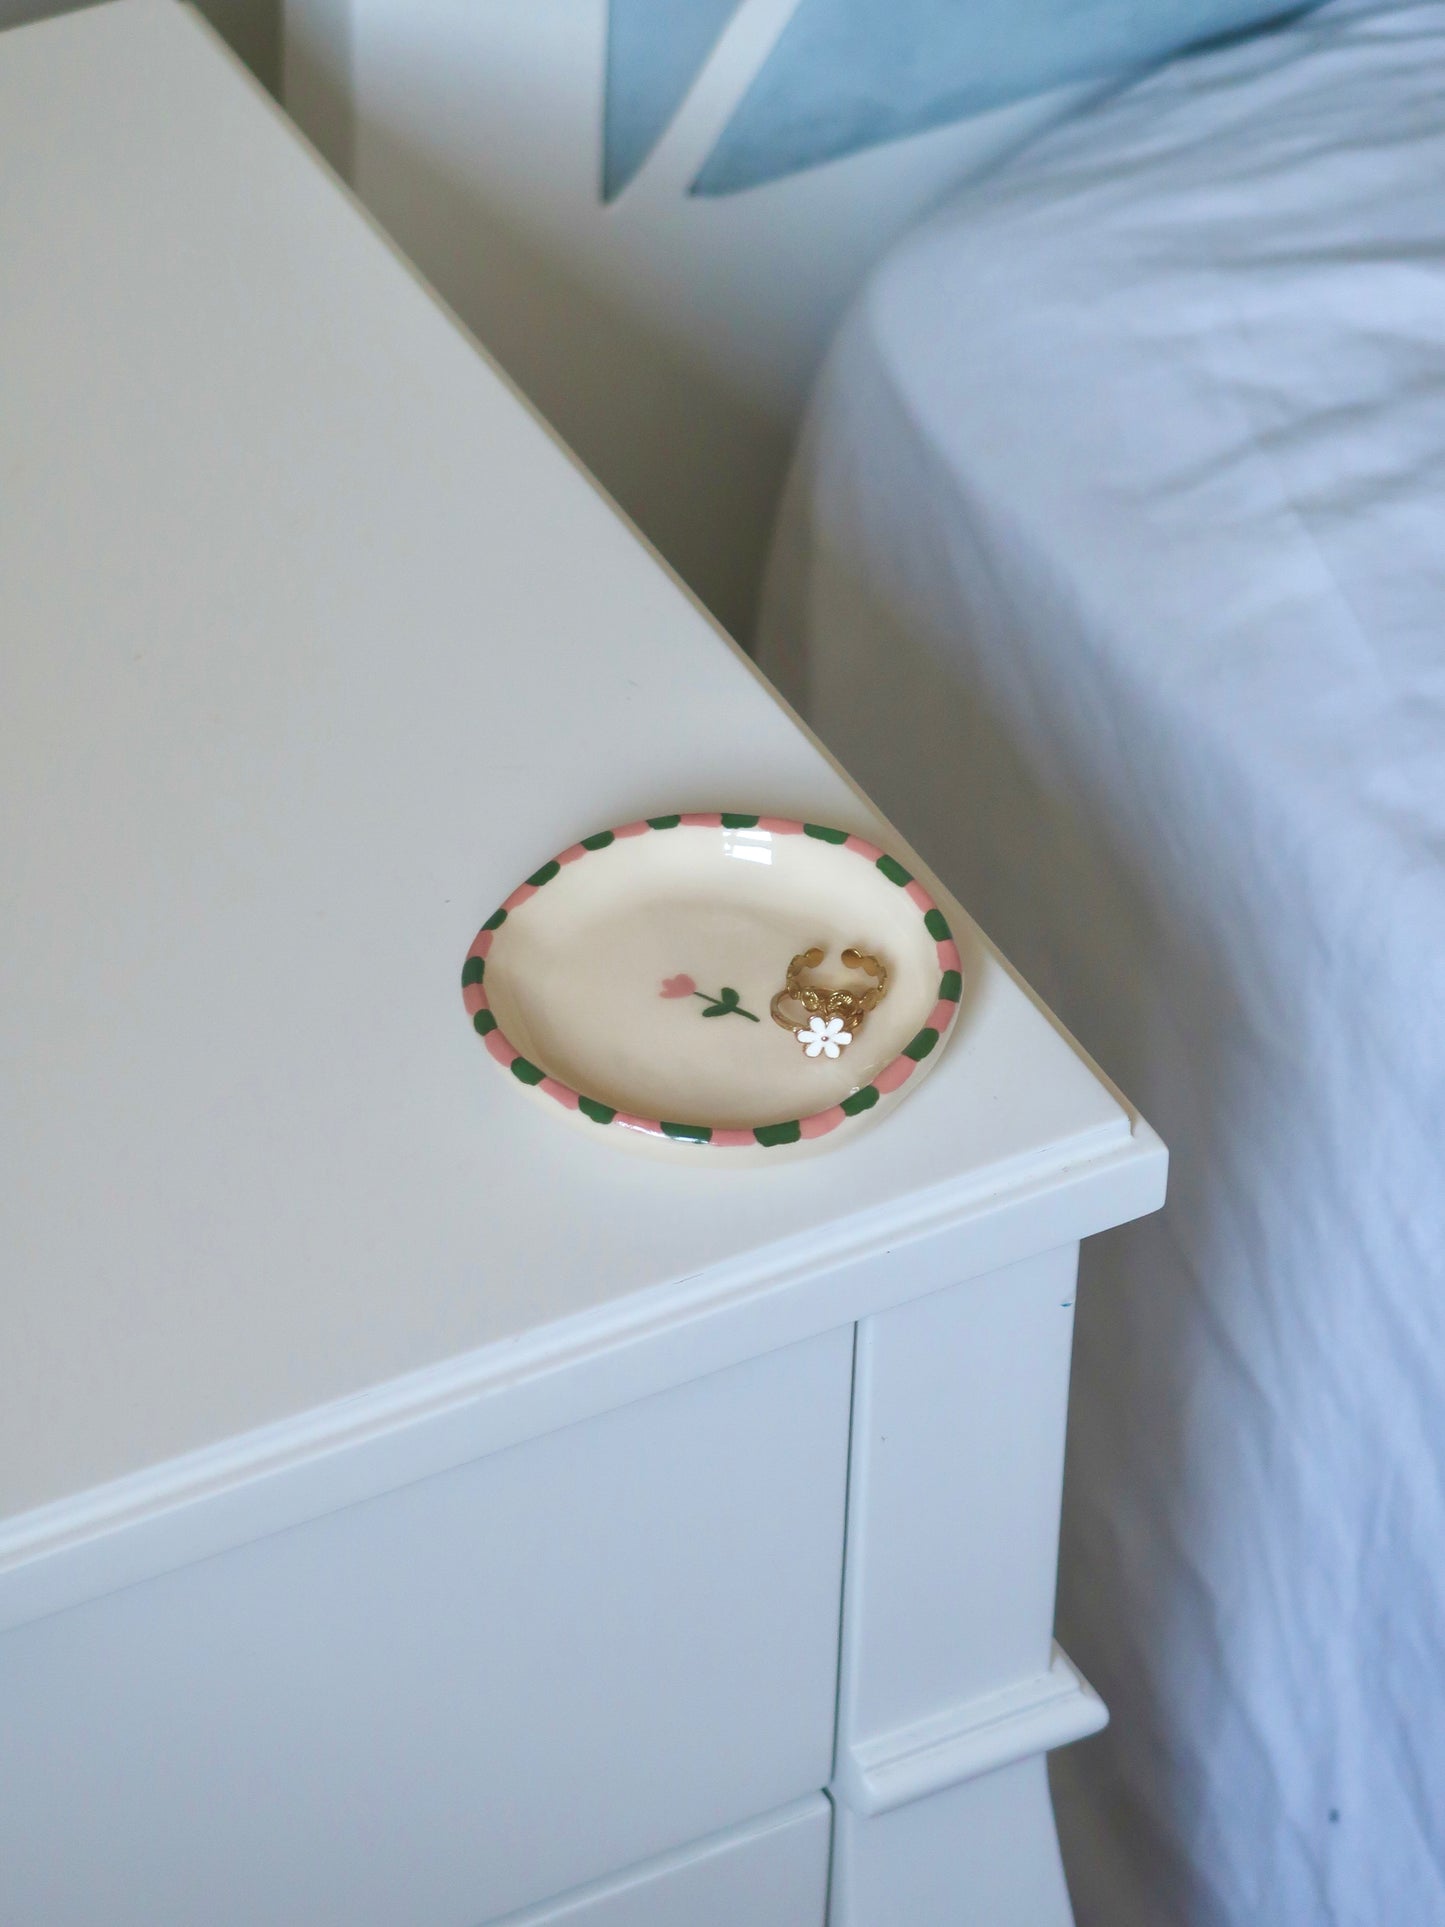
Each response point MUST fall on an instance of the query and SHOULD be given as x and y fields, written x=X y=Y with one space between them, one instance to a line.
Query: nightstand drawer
x=452 y=1701
x=772 y=1873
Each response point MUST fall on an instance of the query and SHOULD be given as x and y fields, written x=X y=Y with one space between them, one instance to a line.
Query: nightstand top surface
x=315 y=642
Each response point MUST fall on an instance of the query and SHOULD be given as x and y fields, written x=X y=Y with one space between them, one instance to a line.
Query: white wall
x=670 y=339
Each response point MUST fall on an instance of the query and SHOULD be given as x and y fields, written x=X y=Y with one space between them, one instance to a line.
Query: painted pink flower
x=678 y=987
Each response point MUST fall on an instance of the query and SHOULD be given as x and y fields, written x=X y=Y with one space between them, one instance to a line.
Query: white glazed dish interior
x=594 y=984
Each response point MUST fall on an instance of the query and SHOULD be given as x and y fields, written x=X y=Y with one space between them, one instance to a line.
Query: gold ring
x=836 y=1014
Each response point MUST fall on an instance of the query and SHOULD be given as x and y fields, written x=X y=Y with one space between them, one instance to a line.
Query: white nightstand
x=412 y=1512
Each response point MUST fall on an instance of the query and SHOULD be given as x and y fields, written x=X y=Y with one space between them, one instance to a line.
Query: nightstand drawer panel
x=772 y=1873
x=452 y=1701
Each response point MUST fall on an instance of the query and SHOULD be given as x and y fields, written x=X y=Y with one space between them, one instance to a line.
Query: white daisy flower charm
x=824 y=1037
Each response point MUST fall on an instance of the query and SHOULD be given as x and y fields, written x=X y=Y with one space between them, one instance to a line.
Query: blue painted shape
x=850 y=74
x=655 y=50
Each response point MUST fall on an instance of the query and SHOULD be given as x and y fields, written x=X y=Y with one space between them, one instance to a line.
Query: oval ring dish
x=628 y=983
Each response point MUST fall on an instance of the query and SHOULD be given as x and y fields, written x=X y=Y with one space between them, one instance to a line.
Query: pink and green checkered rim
x=891 y=1078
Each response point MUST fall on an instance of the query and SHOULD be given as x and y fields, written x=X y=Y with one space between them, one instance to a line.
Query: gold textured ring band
x=822 y=1005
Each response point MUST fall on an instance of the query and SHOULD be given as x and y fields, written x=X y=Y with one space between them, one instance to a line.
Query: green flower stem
x=725 y=1004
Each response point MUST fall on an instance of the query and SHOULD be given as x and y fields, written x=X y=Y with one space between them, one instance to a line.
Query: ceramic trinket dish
x=717 y=981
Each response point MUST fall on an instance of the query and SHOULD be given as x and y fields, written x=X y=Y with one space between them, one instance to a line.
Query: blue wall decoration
x=850 y=74
x=655 y=50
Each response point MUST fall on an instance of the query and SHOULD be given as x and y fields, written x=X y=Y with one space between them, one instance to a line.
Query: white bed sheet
x=1113 y=564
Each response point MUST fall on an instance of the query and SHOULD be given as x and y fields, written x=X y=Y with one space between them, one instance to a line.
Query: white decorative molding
x=963 y=1741
x=267 y=1479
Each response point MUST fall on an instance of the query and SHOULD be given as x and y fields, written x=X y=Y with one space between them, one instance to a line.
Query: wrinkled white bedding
x=1113 y=564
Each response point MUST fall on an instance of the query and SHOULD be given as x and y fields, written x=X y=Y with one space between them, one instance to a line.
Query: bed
x=1112 y=561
